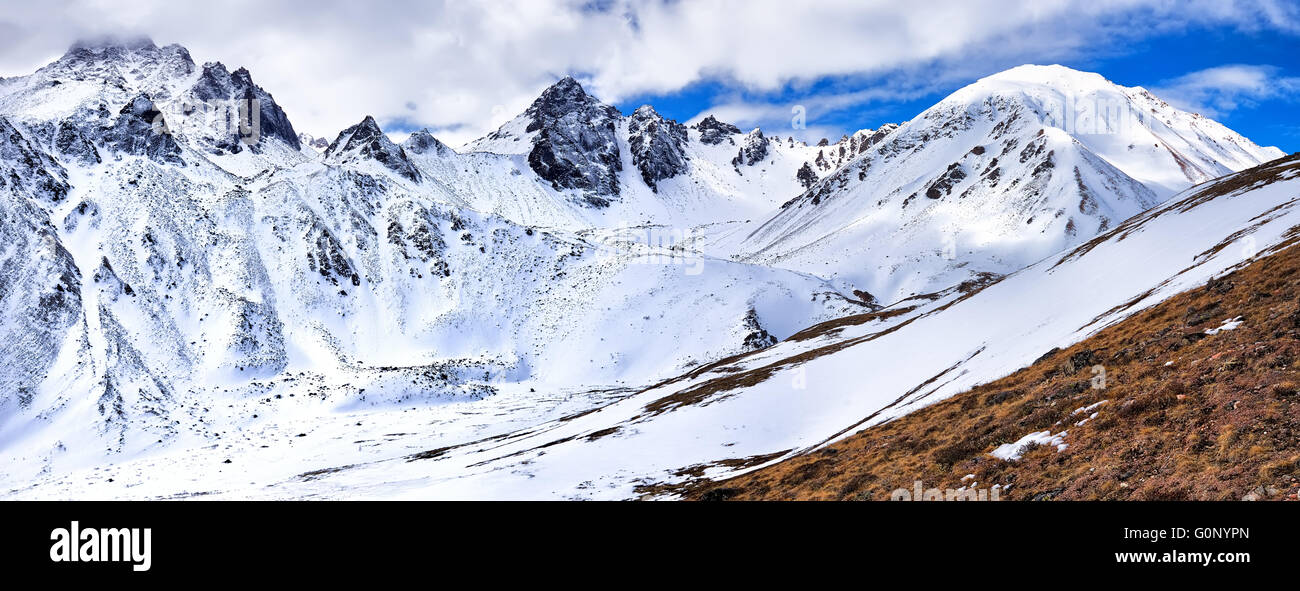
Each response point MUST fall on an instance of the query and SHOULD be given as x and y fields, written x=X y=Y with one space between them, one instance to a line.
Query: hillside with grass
x=1193 y=399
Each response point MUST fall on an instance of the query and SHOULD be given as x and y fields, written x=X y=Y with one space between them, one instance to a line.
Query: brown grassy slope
x=1221 y=421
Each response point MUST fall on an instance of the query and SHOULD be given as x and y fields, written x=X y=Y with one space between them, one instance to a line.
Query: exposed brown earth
x=1189 y=415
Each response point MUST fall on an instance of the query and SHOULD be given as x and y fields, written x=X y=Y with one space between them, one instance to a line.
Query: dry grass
x=1189 y=415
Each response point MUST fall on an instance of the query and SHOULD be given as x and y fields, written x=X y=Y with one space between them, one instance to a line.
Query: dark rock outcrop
x=27 y=170
x=576 y=145
x=140 y=130
x=658 y=146
x=366 y=140
x=806 y=175
x=71 y=144
x=258 y=116
x=713 y=132
x=752 y=150
x=423 y=142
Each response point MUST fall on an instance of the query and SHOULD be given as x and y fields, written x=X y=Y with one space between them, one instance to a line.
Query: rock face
x=753 y=149
x=141 y=130
x=713 y=132
x=70 y=143
x=39 y=281
x=366 y=141
x=861 y=142
x=756 y=336
x=658 y=146
x=806 y=175
x=576 y=146
x=255 y=111
x=28 y=170
x=423 y=142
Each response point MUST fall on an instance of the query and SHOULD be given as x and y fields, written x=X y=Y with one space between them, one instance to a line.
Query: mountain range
x=581 y=303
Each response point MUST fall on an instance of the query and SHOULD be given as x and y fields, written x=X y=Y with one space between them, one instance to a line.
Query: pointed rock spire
x=423 y=142
x=366 y=141
x=259 y=114
x=658 y=146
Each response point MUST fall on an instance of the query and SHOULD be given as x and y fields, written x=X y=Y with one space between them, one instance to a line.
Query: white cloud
x=810 y=111
x=465 y=67
x=1216 y=91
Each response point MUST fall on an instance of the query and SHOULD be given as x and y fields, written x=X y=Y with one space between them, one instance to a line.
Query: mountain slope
x=607 y=170
x=159 y=270
x=539 y=316
x=1197 y=400
x=810 y=390
x=996 y=176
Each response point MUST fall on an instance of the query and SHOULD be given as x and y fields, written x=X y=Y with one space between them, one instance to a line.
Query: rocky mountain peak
x=366 y=141
x=753 y=149
x=576 y=144
x=646 y=112
x=714 y=132
x=110 y=58
x=566 y=91
x=658 y=146
x=236 y=90
x=566 y=98
x=423 y=142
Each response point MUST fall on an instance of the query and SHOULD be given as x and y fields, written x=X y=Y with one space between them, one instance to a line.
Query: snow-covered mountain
x=998 y=175
x=747 y=411
x=184 y=272
x=162 y=264
x=606 y=170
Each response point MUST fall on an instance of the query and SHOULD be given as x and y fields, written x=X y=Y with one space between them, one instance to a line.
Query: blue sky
x=1258 y=94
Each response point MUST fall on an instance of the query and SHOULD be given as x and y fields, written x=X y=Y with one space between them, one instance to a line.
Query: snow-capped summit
x=997 y=175
x=365 y=141
x=90 y=90
x=93 y=72
x=571 y=141
x=1151 y=141
x=132 y=61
